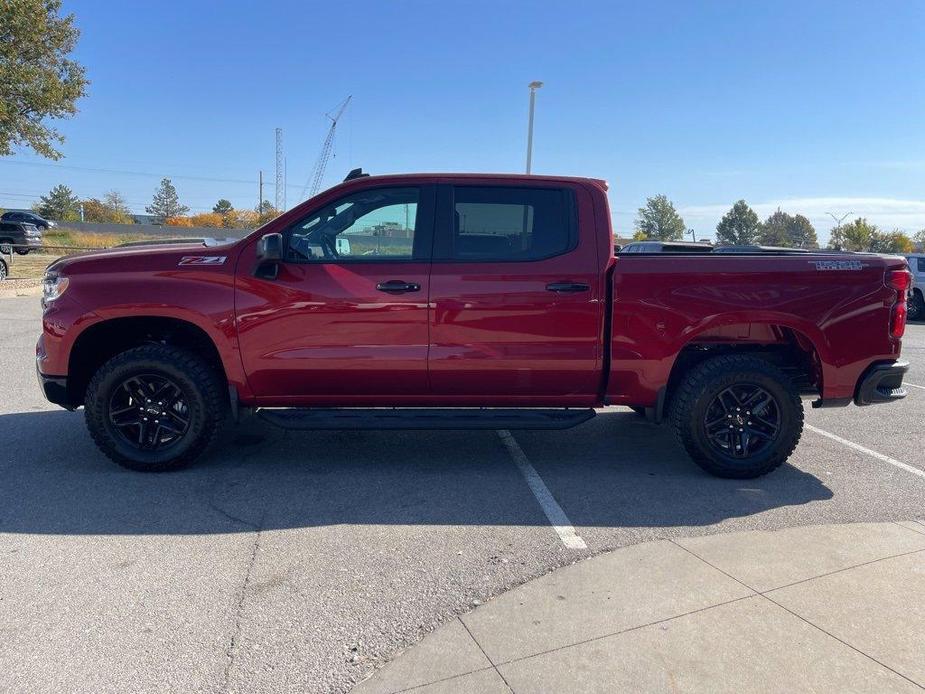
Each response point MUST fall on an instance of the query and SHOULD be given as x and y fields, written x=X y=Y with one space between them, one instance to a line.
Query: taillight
x=900 y=280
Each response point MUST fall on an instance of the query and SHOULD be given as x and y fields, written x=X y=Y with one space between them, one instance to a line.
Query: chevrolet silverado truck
x=464 y=301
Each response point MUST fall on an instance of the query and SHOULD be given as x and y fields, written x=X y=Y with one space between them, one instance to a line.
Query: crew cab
x=464 y=301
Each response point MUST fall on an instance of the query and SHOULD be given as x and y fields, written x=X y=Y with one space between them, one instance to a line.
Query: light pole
x=533 y=87
x=838 y=223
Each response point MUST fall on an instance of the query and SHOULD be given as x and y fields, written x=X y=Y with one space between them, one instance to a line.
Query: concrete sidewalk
x=831 y=608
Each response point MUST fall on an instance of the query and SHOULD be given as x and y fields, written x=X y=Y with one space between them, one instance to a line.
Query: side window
x=369 y=225
x=512 y=224
x=921 y=264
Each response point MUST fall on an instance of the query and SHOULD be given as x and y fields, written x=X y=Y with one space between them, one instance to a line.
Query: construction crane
x=314 y=183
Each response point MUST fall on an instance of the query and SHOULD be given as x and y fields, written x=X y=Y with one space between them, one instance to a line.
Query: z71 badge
x=202 y=260
x=838 y=264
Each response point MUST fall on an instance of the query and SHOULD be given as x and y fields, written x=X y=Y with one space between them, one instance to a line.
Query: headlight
x=53 y=286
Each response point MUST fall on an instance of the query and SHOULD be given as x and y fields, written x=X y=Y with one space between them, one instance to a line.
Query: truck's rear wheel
x=737 y=416
x=154 y=408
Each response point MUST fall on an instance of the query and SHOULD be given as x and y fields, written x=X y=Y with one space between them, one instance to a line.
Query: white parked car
x=917 y=295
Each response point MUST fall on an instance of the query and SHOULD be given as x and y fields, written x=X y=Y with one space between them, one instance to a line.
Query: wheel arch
x=102 y=340
x=789 y=348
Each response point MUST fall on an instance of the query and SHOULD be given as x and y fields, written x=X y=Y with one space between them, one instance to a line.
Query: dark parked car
x=19 y=236
x=28 y=218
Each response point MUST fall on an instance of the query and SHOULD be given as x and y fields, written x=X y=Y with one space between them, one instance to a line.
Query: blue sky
x=811 y=106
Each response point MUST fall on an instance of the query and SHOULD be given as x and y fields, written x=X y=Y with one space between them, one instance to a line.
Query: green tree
x=782 y=229
x=37 y=80
x=112 y=209
x=739 y=226
x=265 y=212
x=660 y=220
x=919 y=238
x=802 y=233
x=166 y=202
x=60 y=204
x=856 y=236
x=891 y=242
x=115 y=201
x=223 y=207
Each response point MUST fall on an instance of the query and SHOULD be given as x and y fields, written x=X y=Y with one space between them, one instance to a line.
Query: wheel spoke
x=742 y=420
x=763 y=422
x=149 y=411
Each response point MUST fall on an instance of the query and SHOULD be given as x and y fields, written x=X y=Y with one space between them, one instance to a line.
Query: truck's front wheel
x=154 y=408
x=737 y=416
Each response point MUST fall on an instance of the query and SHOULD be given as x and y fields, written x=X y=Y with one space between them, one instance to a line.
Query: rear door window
x=509 y=224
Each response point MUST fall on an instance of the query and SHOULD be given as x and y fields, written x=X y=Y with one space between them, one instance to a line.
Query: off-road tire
x=22 y=251
x=6 y=246
x=708 y=379
x=200 y=383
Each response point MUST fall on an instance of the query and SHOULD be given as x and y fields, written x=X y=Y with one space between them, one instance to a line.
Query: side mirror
x=270 y=248
x=269 y=254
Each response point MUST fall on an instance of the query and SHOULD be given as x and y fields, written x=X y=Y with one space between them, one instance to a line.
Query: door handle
x=568 y=287
x=398 y=287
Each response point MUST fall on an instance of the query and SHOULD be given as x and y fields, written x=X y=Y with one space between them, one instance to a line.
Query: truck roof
x=508 y=177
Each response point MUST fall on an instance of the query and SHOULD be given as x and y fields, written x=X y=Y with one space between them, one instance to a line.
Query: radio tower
x=280 y=176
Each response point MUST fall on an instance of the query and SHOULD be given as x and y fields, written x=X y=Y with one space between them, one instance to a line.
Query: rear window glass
x=514 y=224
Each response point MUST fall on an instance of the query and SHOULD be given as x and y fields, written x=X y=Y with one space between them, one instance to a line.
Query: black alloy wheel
x=742 y=420
x=149 y=411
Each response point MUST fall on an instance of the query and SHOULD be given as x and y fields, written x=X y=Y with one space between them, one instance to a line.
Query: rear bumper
x=881 y=382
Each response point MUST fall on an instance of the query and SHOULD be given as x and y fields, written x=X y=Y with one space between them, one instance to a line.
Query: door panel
x=497 y=331
x=346 y=318
x=325 y=330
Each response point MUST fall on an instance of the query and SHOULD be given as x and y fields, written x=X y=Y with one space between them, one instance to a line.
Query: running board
x=420 y=418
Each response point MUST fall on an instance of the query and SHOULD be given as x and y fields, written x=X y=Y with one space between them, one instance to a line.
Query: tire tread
x=694 y=386
x=194 y=367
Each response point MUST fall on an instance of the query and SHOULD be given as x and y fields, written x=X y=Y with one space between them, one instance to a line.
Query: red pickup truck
x=464 y=301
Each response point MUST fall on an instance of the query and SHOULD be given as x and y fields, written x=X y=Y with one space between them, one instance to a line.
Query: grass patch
x=81 y=240
x=29 y=267
x=60 y=242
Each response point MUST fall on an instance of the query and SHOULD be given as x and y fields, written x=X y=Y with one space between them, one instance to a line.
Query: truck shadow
x=613 y=471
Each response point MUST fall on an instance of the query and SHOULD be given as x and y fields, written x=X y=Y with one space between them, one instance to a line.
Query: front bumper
x=54 y=389
x=881 y=382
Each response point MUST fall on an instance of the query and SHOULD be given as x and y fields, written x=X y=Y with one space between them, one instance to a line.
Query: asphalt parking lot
x=298 y=561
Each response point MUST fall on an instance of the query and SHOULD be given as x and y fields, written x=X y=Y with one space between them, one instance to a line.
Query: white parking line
x=906 y=383
x=874 y=454
x=560 y=522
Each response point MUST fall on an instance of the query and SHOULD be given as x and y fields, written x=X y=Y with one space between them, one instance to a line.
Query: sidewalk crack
x=472 y=636
x=803 y=619
x=239 y=608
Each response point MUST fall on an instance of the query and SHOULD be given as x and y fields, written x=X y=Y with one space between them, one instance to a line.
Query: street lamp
x=533 y=87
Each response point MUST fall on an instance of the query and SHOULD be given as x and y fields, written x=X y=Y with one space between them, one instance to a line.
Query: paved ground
x=830 y=608
x=299 y=562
